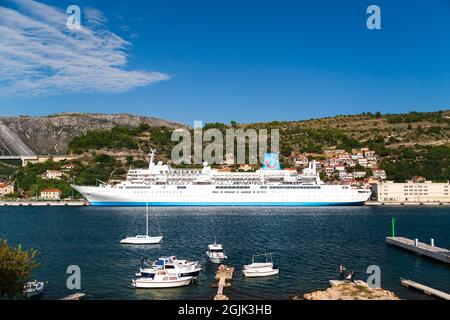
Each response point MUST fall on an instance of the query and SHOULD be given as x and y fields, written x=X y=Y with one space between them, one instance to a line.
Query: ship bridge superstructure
x=160 y=173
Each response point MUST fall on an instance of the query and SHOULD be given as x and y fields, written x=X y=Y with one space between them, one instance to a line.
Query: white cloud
x=39 y=56
x=94 y=17
x=125 y=28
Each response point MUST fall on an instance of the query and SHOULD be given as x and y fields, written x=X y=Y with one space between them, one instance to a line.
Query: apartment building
x=412 y=191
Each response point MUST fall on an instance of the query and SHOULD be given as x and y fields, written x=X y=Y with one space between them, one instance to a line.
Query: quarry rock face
x=52 y=134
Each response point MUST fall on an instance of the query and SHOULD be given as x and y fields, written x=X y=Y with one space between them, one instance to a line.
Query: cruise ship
x=161 y=185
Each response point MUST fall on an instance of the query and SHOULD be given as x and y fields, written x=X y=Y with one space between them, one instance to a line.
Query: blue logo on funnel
x=271 y=162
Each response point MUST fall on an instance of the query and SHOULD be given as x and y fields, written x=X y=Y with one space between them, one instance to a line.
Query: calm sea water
x=308 y=244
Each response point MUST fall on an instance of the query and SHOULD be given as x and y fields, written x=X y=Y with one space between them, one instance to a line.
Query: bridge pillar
x=27 y=159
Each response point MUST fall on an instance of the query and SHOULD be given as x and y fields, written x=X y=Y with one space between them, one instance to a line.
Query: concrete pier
x=222 y=275
x=412 y=204
x=427 y=290
x=32 y=203
x=420 y=248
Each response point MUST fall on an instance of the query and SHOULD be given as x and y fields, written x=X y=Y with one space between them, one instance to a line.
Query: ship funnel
x=271 y=161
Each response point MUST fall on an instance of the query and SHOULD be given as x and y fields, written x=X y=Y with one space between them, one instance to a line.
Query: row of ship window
x=294 y=187
x=238 y=187
x=239 y=191
x=232 y=187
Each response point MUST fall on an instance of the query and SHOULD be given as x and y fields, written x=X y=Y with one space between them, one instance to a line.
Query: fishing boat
x=143 y=239
x=172 y=265
x=260 y=269
x=215 y=253
x=161 y=279
x=33 y=288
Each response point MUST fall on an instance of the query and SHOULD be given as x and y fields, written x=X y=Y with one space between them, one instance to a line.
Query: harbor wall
x=43 y=203
x=392 y=203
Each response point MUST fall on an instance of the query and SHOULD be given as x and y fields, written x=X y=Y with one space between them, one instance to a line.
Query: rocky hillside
x=52 y=134
x=406 y=145
x=394 y=130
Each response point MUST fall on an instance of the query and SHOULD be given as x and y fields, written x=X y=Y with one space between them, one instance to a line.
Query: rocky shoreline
x=340 y=290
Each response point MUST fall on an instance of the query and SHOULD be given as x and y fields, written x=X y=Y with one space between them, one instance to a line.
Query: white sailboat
x=143 y=239
x=260 y=269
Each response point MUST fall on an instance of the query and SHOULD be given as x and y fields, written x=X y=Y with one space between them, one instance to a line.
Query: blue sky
x=225 y=60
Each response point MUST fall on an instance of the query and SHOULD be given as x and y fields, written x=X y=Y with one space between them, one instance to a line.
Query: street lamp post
x=393 y=221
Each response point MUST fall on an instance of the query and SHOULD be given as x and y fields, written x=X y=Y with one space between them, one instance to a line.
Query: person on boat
x=341 y=272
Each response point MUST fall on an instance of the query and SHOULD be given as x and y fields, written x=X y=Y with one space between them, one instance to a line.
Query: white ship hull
x=160 y=185
x=209 y=195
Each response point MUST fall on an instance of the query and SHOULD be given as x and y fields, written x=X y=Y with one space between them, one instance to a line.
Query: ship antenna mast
x=152 y=156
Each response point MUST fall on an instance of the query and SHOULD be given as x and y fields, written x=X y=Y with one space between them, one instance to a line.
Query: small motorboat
x=161 y=279
x=260 y=269
x=215 y=253
x=172 y=265
x=33 y=288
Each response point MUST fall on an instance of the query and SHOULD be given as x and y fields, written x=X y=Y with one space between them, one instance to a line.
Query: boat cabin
x=166 y=262
x=165 y=276
x=215 y=247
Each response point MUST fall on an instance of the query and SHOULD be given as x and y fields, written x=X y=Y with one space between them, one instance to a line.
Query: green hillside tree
x=16 y=266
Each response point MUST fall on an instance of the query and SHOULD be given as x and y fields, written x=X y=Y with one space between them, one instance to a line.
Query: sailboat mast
x=146 y=217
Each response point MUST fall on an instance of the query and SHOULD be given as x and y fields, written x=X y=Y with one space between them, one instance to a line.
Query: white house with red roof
x=51 y=194
x=6 y=188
